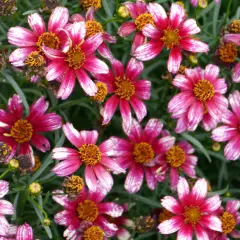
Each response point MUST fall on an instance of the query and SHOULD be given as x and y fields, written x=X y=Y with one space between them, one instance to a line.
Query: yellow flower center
x=203 y=90
x=175 y=156
x=87 y=210
x=181 y=69
x=89 y=3
x=170 y=37
x=142 y=20
x=228 y=52
x=73 y=184
x=75 y=57
x=192 y=215
x=235 y=26
x=165 y=215
x=34 y=59
x=5 y=151
x=124 y=88
x=143 y=152
x=93 y=27
x=21 y=131
x=228 y=222
x=93 y=233
x=48 y=39
x=90 y=154
x=101 y=92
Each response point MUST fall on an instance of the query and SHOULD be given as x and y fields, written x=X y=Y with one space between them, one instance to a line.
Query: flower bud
x=123 y=12
x=34 y=189
x=46 y=222
x=13 y=164
x=216 y=147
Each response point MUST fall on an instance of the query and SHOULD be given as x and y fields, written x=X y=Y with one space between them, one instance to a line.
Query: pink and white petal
x=172 y=205
x=233 y=206
x=56 y=69
x=235 y=234
x=6 y=208
x=232 y=150
x=86 y=82
x=72 y=135
x=132 y=9
x=17 y=57
x=164 y=144
x=186 y=146
x=77 y=18
x=200 y=188
x=138 y=40
x=93 y=64
x=91 y=44
x=209 y=122
x=126 y=114
x=134 y=133
x=40 y=142
x=134 y=178
x=105 y=52
x=67 y=167
x=201 y=234
x=230 y=119
x=62 y=153
x=111 y=209
x=24 y=232
x=90 y=179
x=224 y=133
x=54 y=54
x=185 y=232
x=174 y=177
x=172 y=225
x=195 y=115
x=174 y=60
x=108 y=228
x=88 y=137
x=134 y=69
x=109 y=38
x=143 y=89
x=15 y=106
x=211 y=204
x=4 y=188
x=194 y=3
x=77 y=32
x=188 y=28
x=183 y=83
x=183 y=189
x=62 y=199
x=148 y=51
x=152 y=130
x=90 y=13
x=38 y=108
x=211 y=222
x=152 y=32
x=36 y=23
x=117 y=67
x=220 y=86
x=139 y=108
x=233 y=38
x=193 y=45
x=194 y=74
x=110 y=108
x=123 y=234
x=4 y=227
x=106 y=147
x=58 y=19
x=211 y=72
x=176 y=15
x=151 y=181
x=111 y=164
x=126 y=29
x=63 y=218
x=21 y=37
x=236 y=73
x=234 y=100
x=141 y=7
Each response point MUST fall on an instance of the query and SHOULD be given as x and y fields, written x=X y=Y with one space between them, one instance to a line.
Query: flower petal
x=176 y=15
x=126 y=29
x=40 y=142
x=193 y=45
x=139 y=108
x=224 y=133
x=211 y=204
x=91 y=44
x=185 y=232
x=233 y=38
x=109 y=109
x=90 y=179
x=6 y=208
x=77 y=32
x=174 y=60
x=172 y=225
x=195 y=115
x=200 y=188
x=134 y=69
x=37 y=24
x=172 y=205
x=4 y=188
x=201 y=234
x=72 y=135
x=93 y=64
x=110 y=208
x=232 y=150
x=152 y=130
x=24 y=232
x=189 y=27
x=67 y=167
x=211 y=222
x=183 y=189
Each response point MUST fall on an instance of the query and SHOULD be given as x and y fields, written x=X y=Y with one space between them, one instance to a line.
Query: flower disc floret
x=235 y=26
x=175 y=156
x=228 y=52
x=124 y=88
x=228 y=222
x=87 y=210
x=48 y=39
x=171 y=37
x=73 y=184
x=93 y=27
x=143 y=19
x=91 y=3
x=90 y=154
x=34 y=59
x=143 y=152
x=102 y=92
x=93 y=232
x=203 y=90
x=192 y=214
x=75 y=57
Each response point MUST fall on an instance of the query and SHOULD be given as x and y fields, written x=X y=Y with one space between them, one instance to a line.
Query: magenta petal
x=126 y=113
x=177 y=15
x=40 y=142
x=63 y=218
x=143 y=89
x=172 y=205
x=201 y=234
x=195 y=115
x=182 y=189
x=211 y=72
x=126 y=29
x=72 y=135
x=189 y=27
x=209 y=122
x=105 y=52
x=174 y=60
x=183 y=83
x=174 y=176
x=54 y=54
x=15 y=106
x=193 y=45
x=232 y=150
x=138 y=40
x=6 y=208
x=236 y=73
x=152 y=130
x=224 y=133
x=77 y=32
x=109 y=38
x=61 y=153
x=151 y=181
x=90 y=178
x=37 y=24
x=110 y=208
x=67 y=167
x=4 y=227
x=88 y=137
x=233 y=38
x=24 y=232
x=211 y=222
x=151 y=31
x=185 y=232
x=93 y=64
x=139 y=108
x=38 y=108
x=91 y=44
x=199 y=190
x=211 y=204
x=132 y=9
x=172 y=225
x=134 y=133
x=118 y=67
x=110 y=108
x=234 y=100
x=111 y=164
x=4 y=188
x=108 y=228
x=55 y=70
x=134 y=69
x=232 y=206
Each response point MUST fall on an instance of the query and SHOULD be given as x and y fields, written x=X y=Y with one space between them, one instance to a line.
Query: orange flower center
x=143 y=152
x=5 y=151
x=89 y=3
x=228 y=52
x=192 y=215
x=124 y=88
x=175 y=156
x=93 y=233
x=37 y=163
x=48 y=39
x=235 y=26
x=34 y=59
x=203 y=90
x=101 y=92
x=87 y=210
x=21 y=131
x=228 y=222
x=73 y=184
x=170 y=37
x=75 y=57
x=93 y=27
x=90 y=154
x=165 y=215
x=142 y=20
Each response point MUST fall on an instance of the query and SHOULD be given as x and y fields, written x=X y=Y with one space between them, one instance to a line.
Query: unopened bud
x=13 y=164
x=34 y=189
x=46 y=222
x=203 y=3
x=216 y=147
x=123 y=12
x=193 y=59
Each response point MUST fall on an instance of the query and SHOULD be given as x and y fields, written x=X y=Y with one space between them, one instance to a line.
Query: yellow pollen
x=235 y=26
x=101 y=92
x=89 y=3
x=34 y=59
x=124 y=88
x=93 y=27
x=228 y=52
x=143 y=152
x=21 y=131
x=90 y=154
x=181 y=69
x=5 y=151
x=192 y=215
x=175 y=156
x=228 y=222
x=75 y=57
x=73 y=184
x=203 y=90
x=142 y=20
x=87 y=210
x=171 y=37
x=165 y=215
x=93 y=233
x=48 y=39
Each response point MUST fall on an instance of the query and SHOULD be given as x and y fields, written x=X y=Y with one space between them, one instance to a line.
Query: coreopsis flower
x=139 y=154
x=6 y=208
x=74 y=63
x=91 y=3
x=173 y=33
x=230 y=130
x=87 y=208
x=96 y=158
x=126 y=89
x=193 y=212
x=7 y=7
x=20 y=132
x=30 y=43
x=201 y=3
x=201 y=99
x=141 y=17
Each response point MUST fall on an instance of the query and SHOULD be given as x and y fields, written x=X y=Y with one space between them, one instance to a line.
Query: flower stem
x=6 y=171
x=38 y=206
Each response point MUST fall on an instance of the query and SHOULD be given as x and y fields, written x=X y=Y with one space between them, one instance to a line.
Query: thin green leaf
x=220 y=192
x=215 y=17
x=30 y=12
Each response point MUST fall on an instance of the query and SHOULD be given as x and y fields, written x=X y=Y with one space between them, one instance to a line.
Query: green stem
x=227 y=12
x=110 y=20
x=7 y=170
x=38 y=206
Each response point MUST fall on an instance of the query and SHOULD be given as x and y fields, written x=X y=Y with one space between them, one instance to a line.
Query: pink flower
x=22 y=232
x=236 y=73
x=192 y=212
x=74 y=63
x=171 y=32
x=175 y=158
x=21 y=132
x=87 y=208
x=31 y=42
x=139 y=154
x=233 y=38
x=230 y=130
x=201 y=99
x=141 y=17
x=6 y=208
x=93 y=27
x=196 y=2
x=125 y=89
x=96 y=158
